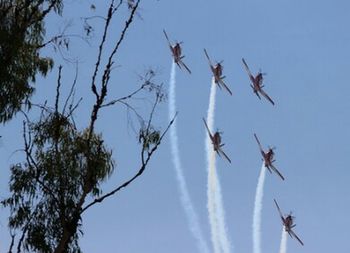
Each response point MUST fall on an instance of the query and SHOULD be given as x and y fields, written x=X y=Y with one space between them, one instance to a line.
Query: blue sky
x=303 y=46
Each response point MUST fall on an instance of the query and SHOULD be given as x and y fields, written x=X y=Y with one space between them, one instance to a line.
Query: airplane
x=176 y=51
x=288 y=223
x=268 y=158
x=216 y=141
x=217 y=72
x=257 y=83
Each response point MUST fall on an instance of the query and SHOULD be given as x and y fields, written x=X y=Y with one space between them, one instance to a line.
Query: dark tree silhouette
x=65 y=167
x=21 y=37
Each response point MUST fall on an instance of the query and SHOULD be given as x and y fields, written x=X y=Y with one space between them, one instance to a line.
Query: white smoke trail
x=257 y=211
x=283 y=247
x=211 y=174
x=225 y=243
x=215 y=207
x=184 y=195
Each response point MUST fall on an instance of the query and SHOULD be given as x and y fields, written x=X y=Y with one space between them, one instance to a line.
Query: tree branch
x=58 y=88
x=98 y=62
x=139 y=173
x=87 y=187
x=12 y=242
x=72 y=89
x=123 y=98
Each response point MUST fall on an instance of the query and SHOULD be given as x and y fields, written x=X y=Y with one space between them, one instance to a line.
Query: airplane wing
x=170 y=46
x=167 y=38
x=260 y=147
x=268 y=168
x=266 y=96
x=223 y=153
x=251 y=77
x=275 y=170
x=225 y=86
x=291 y=232
x=256 y=93
x=206 y=126
x=184 y=65
x=178 y=64
x=206 y=54
x=279 y=211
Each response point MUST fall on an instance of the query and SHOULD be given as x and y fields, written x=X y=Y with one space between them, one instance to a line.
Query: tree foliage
x=21 y=36
x=64 y=166
x=48 y=186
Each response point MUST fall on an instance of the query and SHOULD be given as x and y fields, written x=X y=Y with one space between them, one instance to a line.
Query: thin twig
x=123 y=98
x=72 y=89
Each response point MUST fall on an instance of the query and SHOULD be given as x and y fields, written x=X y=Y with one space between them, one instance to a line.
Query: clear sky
x=303 y=46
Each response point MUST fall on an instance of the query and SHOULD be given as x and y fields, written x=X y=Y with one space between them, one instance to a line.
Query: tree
x=21 y=37
x=65 y=166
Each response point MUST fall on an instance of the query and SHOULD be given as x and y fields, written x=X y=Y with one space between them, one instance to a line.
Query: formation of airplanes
x=257 y=86
x=217 y=71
